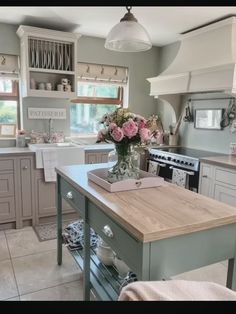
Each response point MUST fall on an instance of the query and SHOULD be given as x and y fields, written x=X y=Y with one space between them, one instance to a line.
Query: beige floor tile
x=8 y=231
x=25 y=242
x=215 y=273
x=13 y=299
x=4 y=252
x=7 y=281
x=39 y=271
x=66 y=292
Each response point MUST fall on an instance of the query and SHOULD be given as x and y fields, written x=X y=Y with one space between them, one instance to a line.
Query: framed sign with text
x=46 y=113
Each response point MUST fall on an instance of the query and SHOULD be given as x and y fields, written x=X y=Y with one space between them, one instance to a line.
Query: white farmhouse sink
x=67 y=153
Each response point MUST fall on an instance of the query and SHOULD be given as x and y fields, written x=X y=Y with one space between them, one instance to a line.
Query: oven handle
x=190 y=173
x=160 y=165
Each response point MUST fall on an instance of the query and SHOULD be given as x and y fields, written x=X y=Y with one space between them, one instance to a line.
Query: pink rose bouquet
x=124 y=127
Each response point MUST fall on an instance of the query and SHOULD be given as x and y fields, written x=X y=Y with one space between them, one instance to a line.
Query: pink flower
x=130 y=128
x=145 y=135
x=112 y=126
x=117 y=134
x=142 y=124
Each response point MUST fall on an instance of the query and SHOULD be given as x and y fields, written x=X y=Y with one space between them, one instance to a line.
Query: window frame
x=119 y=100
x=13 y=96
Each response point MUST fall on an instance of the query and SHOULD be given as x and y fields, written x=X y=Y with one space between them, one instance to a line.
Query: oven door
x=166 y=171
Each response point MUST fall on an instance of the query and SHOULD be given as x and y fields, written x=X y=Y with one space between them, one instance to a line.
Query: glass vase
x=127 y=163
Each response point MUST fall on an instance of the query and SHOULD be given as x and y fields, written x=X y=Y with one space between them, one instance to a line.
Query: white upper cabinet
x=48 y=62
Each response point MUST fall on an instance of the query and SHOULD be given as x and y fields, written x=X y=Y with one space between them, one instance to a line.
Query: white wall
x=210 y=140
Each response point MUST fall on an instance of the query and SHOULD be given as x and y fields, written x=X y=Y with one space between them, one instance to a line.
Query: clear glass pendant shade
x=128 y=36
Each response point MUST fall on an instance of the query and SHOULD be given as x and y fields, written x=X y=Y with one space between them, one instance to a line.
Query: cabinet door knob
x=25 y=167
x=204 y=176
x=107 y=231
x=69 y=195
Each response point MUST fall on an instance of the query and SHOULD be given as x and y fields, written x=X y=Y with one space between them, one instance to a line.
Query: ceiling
x=164 y=24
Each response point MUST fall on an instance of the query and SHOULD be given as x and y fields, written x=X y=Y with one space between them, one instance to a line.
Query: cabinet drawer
x=225 y=194
x=121 y=241
x=225 y=176
x=6 y=164
x=6 y=185
x=73 y=197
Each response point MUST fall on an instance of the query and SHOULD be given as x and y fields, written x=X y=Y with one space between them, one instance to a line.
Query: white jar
x=121 y=267
x=105 y=253
x=20 y=141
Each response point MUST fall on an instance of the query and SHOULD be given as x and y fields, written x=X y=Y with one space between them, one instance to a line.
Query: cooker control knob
x=169 y=158
x=191 y=164
x=174 y=160
x=177 y=161
x=186 y=163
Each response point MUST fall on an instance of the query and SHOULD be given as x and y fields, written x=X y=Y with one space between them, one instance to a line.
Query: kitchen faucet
x=50 y=131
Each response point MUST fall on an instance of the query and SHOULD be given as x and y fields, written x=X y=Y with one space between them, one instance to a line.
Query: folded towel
x=49 y=164
x=74 y=236
x=153 y=167
x=180 y=178
x=179 y=290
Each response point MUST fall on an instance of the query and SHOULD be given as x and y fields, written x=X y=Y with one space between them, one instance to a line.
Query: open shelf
x=50 y=94
x=51 y=71
x=104 y=279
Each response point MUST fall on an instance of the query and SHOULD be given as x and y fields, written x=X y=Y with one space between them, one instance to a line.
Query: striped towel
x=153 y=167
x=180 y=178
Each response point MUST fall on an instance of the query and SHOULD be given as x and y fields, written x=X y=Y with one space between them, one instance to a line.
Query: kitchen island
x=159 y=232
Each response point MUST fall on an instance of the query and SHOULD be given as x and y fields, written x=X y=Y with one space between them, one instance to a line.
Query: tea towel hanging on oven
x=153 y=167
x=180 y=178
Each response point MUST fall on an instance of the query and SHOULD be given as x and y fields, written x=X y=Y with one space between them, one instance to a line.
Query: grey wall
x=217 y=141
x=90 y=49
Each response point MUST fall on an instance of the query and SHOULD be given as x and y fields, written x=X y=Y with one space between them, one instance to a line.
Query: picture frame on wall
x=208 y=119
x=8 y=130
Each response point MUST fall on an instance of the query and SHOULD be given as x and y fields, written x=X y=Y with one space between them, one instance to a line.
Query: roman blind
x=9 y=66
x=102 y=73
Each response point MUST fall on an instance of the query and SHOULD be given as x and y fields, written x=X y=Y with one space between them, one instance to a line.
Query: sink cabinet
x=46 y=199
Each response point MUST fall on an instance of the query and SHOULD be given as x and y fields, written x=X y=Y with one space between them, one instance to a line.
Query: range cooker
x=184 y=158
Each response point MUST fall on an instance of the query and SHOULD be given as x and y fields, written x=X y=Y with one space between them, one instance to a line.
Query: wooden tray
x=147 y=180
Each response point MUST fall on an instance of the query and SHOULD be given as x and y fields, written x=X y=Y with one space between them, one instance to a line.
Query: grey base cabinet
x=45 y=197
x=96 y=157
x=17 y=191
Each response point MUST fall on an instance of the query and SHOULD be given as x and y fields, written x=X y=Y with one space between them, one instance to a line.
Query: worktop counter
x=153 y=213
x=228 y=161
x=6 y=151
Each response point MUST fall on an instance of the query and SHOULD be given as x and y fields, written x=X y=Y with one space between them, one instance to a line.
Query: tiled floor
x=29 y=271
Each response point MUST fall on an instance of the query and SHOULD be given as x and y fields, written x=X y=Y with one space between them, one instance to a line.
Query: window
x=8 y=101
x=85 y=117
x=100 y=90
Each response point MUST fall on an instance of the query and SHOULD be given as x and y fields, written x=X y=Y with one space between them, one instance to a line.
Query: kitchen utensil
x=232 y=149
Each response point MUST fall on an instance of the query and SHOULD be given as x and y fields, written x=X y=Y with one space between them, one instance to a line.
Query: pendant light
x=128 y=35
